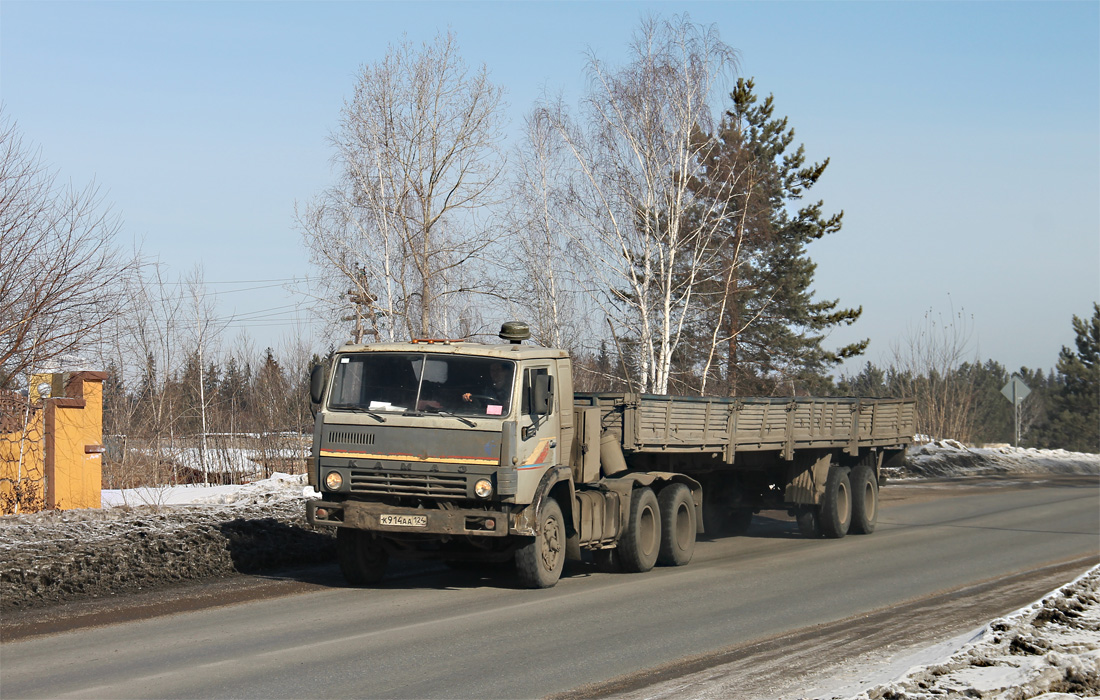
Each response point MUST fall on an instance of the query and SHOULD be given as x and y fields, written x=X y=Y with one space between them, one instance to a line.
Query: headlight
x=483 y=488
x=333 y=481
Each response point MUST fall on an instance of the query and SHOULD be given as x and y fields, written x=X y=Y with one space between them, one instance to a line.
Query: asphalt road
x=437 y=633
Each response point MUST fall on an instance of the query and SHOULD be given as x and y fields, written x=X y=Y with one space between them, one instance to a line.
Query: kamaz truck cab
x=436 y=449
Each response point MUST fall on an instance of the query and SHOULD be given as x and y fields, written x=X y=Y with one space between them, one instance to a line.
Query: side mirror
x=316 y=383
x=542 y=396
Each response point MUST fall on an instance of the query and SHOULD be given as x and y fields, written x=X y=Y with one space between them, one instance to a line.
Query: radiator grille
x=433 y=485
x=350 y=438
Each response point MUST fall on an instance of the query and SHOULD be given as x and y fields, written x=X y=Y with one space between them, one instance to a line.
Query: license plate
x=403 y=520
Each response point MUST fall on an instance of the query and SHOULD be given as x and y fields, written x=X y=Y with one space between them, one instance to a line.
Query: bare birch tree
x=418 y=152
x=645 y=235
x=927 y=366
x=204 y=329
x=540 y=260
x=61 y=273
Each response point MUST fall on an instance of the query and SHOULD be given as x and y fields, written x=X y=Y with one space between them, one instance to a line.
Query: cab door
x=538 y=422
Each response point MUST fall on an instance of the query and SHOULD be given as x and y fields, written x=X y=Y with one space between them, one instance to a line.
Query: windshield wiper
x=356 y=408
x=441 y=412
x=467 y=421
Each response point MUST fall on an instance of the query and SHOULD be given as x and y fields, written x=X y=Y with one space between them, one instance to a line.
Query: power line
x=204 y=283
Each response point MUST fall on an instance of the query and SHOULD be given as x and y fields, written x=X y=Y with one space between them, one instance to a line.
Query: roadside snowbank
x=173 y=535
x=943 y=458
x=1048 y=650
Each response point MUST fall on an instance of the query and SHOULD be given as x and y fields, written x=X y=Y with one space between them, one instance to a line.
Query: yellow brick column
x=22 y=473
x=74 y=442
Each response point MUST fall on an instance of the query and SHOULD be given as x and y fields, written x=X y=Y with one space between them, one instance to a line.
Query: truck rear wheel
x=836 y=506
x=641 y=542
x=677 y=525
x=864 y=500
x=362 y=560
x=539 y=563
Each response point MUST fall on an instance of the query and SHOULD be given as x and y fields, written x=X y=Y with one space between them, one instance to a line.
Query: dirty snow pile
x=1049 y=650
x=279 y=487
x=161 y=537
x=940 y=458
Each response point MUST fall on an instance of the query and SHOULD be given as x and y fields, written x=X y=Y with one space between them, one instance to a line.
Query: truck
x=475 y=453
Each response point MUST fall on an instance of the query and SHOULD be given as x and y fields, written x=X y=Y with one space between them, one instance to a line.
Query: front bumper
x=368 y=516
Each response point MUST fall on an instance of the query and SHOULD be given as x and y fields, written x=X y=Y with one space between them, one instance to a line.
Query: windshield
x=415 y=382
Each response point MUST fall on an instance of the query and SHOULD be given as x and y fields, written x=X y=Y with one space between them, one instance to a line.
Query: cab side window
x=529 y=374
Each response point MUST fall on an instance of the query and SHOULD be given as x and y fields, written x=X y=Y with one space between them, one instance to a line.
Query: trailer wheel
x=836 y=506
x=641 y=542
x=362 y=560
x=809 y=521
x=864 y=500
x=677 y=525
x=539 y=562
x=607 y=561
x=740 y=520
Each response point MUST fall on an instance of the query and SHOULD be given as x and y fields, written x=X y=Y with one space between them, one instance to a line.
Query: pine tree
x=870 y=382
x=1074 y=416
x=116 y=402
x=760 y=302
x=188 y=388
x=234 y=393
x=270 y=390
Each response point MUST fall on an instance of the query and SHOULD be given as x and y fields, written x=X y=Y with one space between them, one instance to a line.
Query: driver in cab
x=494 y=395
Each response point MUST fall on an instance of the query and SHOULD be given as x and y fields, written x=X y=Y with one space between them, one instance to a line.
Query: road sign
x=1015 y=391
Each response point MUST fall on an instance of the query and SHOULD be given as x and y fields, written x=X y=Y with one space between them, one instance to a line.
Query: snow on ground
x=945 y=458
x=155 y=538
x=279 y=487
x=1048 y=650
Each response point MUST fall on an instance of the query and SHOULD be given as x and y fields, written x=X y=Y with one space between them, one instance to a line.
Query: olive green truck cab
x=467 y=452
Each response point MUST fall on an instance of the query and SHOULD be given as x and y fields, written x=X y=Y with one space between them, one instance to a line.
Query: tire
x=836 y=505
x=714 y=520
x=724 y=513
x=641 y=543
x=864 y=500
x=539 y=563
x=362 y=560
x=678 y=527
x=607 y=561
x=809 y=521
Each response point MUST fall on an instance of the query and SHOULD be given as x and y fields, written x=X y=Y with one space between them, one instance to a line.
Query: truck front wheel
x=677 y=525
x=641 y=543
x=362 y=560
x=539 y=562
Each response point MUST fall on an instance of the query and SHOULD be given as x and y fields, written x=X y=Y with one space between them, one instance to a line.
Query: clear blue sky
x=964 y=137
